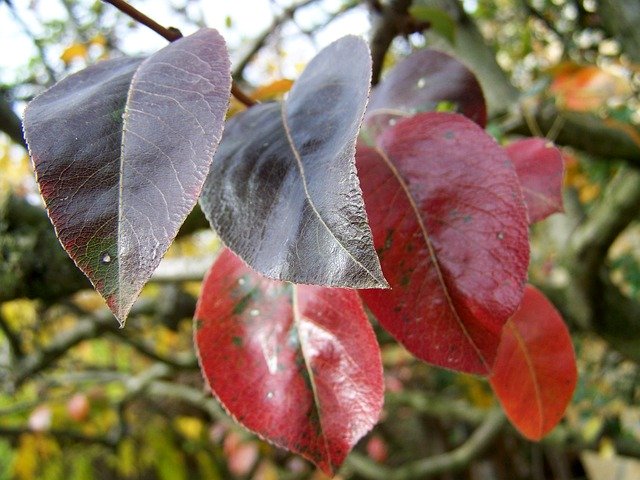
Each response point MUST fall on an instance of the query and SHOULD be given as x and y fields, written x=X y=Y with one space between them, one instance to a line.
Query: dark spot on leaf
x=244 y=302
x=449 y=135
x=237 y=341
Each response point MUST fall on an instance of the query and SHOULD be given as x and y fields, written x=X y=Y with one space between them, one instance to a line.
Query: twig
x=193 y=396
x=51 y=74
x=171 y=34
x=286 y=14
x=84 y=329
x=12 y=338
x=179 y=362
x=389 y=25
x=449 y=462
x=435 y=406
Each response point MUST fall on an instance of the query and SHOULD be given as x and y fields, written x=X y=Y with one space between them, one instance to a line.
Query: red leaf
x=540 y=169
x=534 y=374
x=299 y=365
x=449 y=224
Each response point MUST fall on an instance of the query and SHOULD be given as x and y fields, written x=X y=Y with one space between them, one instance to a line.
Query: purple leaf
x=283 y=192
x=118 y=190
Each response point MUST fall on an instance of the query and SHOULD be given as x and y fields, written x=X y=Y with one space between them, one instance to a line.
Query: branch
x=9 y=122
x=196 y=397
x=180 y=362
x=604 y=138
x=621 y=19
x=260 y=41
x=449 y=462
x=587 y=297
x=51 y=75
x=390 y=24
x=12 y=338
x=171 y=34
x=85 y=329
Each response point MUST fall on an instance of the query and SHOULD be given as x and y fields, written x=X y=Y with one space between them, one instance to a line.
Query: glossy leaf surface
x=283 y=192
x=121 y=150
x=421 y=82
x=540 y=169
x=534 y=374
x=449 y=224
x=298 y=365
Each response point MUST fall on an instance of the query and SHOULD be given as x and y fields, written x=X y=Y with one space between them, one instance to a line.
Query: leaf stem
x=171 y=34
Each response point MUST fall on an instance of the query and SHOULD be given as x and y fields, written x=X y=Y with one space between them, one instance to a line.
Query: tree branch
x=260 y=41
x=389 y=25
x=9 y=122
x=171 y=34
x=449 y=462
x=12 y=337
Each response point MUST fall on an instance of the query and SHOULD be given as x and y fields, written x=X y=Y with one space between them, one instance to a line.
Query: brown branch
x=389 y=25
x=171 y=34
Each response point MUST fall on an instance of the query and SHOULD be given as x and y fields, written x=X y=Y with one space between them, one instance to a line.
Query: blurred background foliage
x=81 y=399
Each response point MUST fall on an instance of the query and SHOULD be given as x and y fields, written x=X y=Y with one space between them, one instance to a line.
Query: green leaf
x=441 y=22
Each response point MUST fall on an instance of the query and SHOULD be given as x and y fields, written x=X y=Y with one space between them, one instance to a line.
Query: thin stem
x=171 y=34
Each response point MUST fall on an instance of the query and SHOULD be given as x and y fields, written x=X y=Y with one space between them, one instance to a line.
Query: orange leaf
x=586 y=88
x=534 y=374
x=273 y=90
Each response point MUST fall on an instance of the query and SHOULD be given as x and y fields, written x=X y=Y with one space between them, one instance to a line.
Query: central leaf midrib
x=307 y=364
x=300 y=166
x=432 y=255
x=534 y=378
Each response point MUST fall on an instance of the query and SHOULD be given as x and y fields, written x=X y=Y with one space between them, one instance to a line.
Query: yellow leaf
x=189 y=427
x=478 y=392
x=76 y=50
x=26 y=460
x=273 y=90
x=99 y=40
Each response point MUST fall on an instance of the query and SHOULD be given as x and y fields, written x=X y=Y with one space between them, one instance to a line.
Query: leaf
x=540 y=169
x=283 y=192
x=118 y=190
x=273 y=90
x=449 y=224
x=76 y=50
x=534 y=374
x=440 y=21
x=421 y=82
x=587 y=88
x=299 y=365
